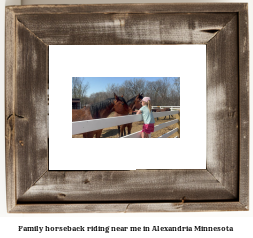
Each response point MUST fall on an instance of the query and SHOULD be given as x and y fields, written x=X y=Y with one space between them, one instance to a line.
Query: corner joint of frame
x=43 y=174
x=244 y=6
x=9 y=9
x=11 y=207
x=32 y=33
x=245 y=206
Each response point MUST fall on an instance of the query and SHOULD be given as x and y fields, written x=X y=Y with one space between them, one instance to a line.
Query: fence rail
x=171 y=107
x=157 y=128
x=97 y=124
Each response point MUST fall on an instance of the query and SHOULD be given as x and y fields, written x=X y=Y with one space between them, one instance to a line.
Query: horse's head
x=137 y=102
x=140 y=96
x=120 y=106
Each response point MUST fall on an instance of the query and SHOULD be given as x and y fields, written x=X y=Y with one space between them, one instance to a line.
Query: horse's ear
x=122 y=95
x=116 y=97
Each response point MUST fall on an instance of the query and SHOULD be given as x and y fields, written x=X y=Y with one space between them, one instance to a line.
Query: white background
x=187 y=62
x=242 y=221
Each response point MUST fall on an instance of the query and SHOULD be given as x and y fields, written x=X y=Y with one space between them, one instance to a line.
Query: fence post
x=178 y=123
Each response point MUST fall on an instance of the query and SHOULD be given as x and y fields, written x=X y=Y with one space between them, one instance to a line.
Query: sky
x=99 y=84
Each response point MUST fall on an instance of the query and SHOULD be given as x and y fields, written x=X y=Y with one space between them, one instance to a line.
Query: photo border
x=180 y=56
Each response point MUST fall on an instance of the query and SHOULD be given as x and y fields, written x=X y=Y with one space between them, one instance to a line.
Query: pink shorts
x=148 y=128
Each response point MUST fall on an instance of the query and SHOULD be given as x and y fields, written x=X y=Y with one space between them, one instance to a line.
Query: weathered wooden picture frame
x=222 y=186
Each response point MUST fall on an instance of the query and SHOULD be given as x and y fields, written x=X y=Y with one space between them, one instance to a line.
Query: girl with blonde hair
x=148 y=117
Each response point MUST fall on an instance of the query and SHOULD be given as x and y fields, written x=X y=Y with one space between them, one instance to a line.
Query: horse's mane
x=130 y=101
x=97 y=107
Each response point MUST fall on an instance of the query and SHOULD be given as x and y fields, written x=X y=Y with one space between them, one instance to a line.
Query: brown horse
x=100 y=110
x=133 y=103
x=162 y=110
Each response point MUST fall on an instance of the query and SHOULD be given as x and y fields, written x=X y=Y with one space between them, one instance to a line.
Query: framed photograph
x=34 y=187
x=164 y=92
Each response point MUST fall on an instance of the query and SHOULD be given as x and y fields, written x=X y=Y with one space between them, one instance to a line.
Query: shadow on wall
x=12 y=2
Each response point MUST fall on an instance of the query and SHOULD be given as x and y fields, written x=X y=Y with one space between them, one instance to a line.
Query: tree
x=154 y=89
x=79 y=88
x=176 y=92
x=117 y=89
x=134 y=87
x=111 y=89
x=98 y=97
x=164 y=93
x=177 y=85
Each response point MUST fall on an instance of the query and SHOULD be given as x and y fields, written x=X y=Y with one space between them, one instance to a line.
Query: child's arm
x=137 y=111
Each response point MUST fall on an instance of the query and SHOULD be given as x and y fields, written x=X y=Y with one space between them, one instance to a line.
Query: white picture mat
x=185 y=61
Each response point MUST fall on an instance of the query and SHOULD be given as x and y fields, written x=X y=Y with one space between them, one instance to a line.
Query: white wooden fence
x=171 y=107
x=96 y=124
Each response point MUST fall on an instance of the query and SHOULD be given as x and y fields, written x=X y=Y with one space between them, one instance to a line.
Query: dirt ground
x=112 y=132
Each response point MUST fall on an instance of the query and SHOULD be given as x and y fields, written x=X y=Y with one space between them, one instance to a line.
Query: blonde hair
x=149 y=105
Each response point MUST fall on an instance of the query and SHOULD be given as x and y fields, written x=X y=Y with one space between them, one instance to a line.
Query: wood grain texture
x=129 y=8
x=120 y=29
x=222 y=107
x=244 y=106
x=222 y=187
x=129 y=207
x=10 y=64
x=186 y=207
x=139 y=185
x=30 y=109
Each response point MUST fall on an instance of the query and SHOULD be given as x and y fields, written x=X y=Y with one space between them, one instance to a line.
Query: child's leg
x=146 y=135
x=142 y=134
